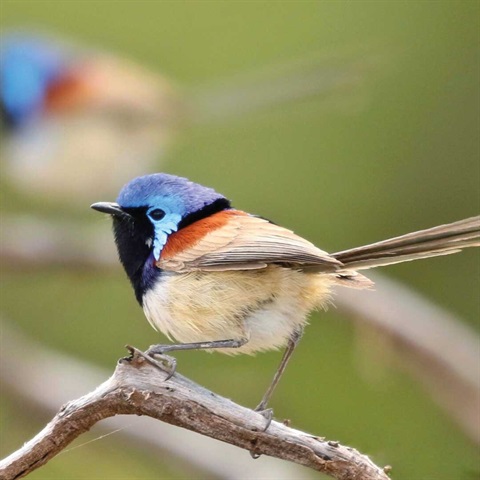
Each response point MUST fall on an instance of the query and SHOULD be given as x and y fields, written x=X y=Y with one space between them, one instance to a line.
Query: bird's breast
x=265 y=306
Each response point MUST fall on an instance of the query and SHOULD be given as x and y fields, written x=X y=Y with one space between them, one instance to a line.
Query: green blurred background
x=395 y=154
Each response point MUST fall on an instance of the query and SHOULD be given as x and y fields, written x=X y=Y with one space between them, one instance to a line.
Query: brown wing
x=233 y=240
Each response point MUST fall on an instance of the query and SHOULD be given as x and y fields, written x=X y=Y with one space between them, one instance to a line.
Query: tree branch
x=138 y=388
x=26 y=366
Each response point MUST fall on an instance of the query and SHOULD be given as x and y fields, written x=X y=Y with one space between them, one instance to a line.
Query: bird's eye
x=156 y=214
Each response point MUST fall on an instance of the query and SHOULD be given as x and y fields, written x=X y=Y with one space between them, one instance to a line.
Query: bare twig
x=26 y=366
x=138 y=388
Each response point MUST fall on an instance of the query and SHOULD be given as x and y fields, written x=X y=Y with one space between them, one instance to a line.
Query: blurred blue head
x=28 y=65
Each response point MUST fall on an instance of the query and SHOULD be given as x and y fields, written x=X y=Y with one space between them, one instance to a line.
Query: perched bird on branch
x=77 y=120
x=213 y=277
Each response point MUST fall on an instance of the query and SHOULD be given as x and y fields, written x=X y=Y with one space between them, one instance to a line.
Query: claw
x=171 y=364
x=165 y=363
x=267 y=413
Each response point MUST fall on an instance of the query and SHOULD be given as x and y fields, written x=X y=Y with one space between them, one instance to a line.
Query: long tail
x=441 y=240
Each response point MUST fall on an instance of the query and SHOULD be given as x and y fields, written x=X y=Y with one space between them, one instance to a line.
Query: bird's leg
x=262 y=406
x=160 y=350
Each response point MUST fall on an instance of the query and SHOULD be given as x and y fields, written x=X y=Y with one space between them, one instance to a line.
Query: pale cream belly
x=265 y=306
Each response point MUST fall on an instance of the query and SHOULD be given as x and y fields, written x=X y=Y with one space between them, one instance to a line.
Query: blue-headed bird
x=213 y=277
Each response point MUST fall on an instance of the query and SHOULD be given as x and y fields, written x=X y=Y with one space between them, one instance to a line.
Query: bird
x=78 y=121
x=210 y=276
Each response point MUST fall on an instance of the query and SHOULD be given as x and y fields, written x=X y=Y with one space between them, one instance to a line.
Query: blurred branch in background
x=26 y=368
x=56 y=244
x=340 y=77
x=438 y=348
x=138 y=388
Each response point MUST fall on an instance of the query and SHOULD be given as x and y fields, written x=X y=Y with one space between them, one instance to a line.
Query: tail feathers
x=432 y=242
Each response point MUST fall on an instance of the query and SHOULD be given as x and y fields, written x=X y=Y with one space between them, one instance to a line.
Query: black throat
x=133 y=237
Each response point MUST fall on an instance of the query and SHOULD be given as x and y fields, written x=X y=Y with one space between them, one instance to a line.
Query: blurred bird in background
x=79 y=121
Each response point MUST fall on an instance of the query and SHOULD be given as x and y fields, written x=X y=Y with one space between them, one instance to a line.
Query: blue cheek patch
x=163 y=228
x=159 y=243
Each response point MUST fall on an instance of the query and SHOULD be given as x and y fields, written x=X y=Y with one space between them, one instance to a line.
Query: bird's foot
x=155 y=357
x=267 y=413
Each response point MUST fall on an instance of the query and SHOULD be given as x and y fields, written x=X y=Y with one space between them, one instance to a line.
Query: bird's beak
x=110 y=208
